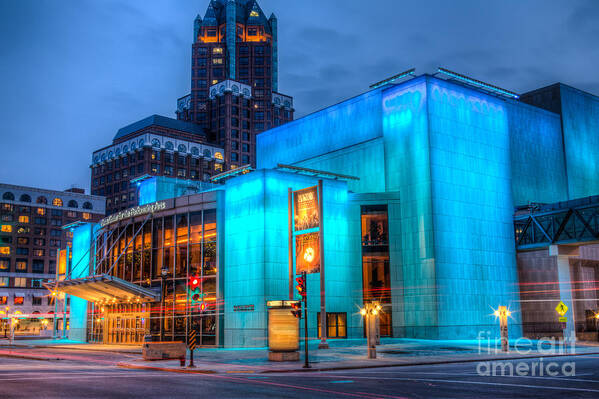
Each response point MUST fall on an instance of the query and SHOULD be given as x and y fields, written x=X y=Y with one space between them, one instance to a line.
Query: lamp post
x=163 y=273
x=370 y=312
x=502 y=312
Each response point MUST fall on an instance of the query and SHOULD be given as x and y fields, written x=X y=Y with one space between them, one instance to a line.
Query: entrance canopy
x=105 y=289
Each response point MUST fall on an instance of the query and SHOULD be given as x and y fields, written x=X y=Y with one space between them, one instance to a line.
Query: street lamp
x=163 y=274
x=370 y=312
x=503 y=313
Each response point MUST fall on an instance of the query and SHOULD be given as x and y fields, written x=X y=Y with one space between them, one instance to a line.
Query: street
x=95 y=375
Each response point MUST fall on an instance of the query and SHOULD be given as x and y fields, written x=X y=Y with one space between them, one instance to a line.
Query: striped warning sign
x=191 y=340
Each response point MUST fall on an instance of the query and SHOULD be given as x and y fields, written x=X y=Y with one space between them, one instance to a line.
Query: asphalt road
x=95 y=376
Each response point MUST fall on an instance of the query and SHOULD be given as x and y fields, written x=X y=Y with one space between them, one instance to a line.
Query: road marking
x=342 y=382
x=479 y=383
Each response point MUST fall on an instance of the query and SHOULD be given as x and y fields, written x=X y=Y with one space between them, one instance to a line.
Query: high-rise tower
x=234 y=78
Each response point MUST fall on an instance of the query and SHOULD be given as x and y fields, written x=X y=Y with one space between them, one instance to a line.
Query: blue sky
x=74 y=71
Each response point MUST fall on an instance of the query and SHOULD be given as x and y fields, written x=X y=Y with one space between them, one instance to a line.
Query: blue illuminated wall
x=256 y=254
x=158 y=188
x=537 y=155
x=580 y=122
x=82 y=241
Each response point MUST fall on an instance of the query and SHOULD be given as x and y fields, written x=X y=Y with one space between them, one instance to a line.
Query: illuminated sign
x=62 y=262
x=283 y=330
x=132 y=212
x=243 y=308
x=305 y=208
x=307 y=253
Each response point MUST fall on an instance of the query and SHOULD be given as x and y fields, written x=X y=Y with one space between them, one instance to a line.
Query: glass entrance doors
x=121 y=324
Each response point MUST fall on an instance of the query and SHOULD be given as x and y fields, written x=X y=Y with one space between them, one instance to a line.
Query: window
x=234 y=157
x=140 y=168
x=23 y=219
x=245 y=147
x=21 y=266
x=25 y=209
x=56 y=212
x=57 y=202
x=36 y=301
x=245 y=159
x=234 y=145
x=19 y=300
x=39 y=242
x=168 y=170
x=336 y=325
x=6 y=228
x=20 y=282
x=5 y=250
x=4 y=264
x=38 y=266
x=155 y=156
x=23 y=240
x=55 y=233
x=217 y=61
x=40 y=232
x=3 y=299
x=41 y=200
x=36 y=283
x=181 y=173
x=73 y=204
x=3 y=281
x=7 y=218
x=5 y=240
x=86 y=216
x=25 y=198
x=70 y=214
x=41 y=211
x=88 y=205
x=38 y=252
x=41 y=221
x=217 y=50
x=252 y=31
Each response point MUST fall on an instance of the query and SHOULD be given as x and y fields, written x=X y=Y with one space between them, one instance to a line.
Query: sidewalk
x=343 y=354
x=351 y=354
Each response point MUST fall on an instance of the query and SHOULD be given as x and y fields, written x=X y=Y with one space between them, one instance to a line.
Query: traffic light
x=296 y=309
x=194 y=282
x=202 y=306
x=301 y=286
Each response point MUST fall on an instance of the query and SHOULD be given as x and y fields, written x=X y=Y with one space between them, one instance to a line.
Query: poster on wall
x=62 y=264
x=305 y=208
x=307 y=253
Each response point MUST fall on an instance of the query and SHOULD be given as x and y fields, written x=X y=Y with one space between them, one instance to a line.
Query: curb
x=184 y=371
x=370 y=366
x=48 y=359
x=429 y=363
x=68 y=348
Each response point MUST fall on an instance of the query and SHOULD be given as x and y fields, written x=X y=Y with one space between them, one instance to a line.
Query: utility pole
x=306 y=358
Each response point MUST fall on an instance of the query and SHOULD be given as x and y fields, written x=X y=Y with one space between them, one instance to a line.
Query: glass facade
x=163 y=254
x=375 y=261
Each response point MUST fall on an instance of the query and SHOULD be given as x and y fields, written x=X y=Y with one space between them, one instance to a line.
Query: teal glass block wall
x=475 y=259
x=580 y=123
x=537 y=155
x=82 y=242
x=256 y=248
x=351 y=122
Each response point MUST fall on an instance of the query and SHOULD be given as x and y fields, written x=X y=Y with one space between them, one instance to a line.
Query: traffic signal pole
x=306 y=359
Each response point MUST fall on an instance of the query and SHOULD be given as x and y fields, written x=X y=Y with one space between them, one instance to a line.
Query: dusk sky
x=74 y=71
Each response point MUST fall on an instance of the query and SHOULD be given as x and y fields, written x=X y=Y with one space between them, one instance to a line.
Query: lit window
x=214 y=81
x=181 y=173
x=86 y=216
x=6 y=228
x=21 y=266
x=38 y=252
x=5 y=250
x=19 y=300
x=41 y=211
x=4 y=283
x=57 y=202
x=218 y=167
x=254 y=13
x=217 y=61
x=218 y=155
x=23 y=219
x=217 y=50
x=20 y=282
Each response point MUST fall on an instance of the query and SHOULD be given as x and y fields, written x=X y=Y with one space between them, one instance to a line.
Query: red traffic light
x=301 y=286
x=194 y=282
x=296 y=309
